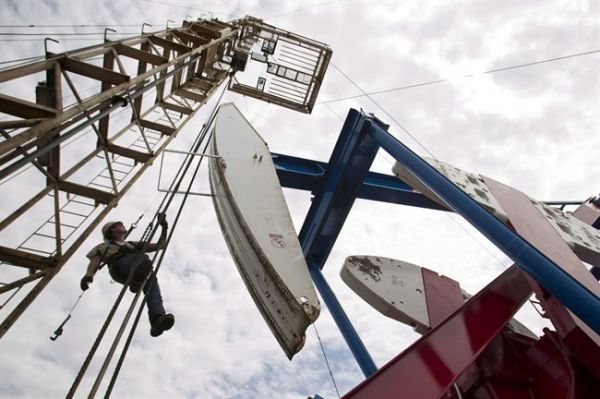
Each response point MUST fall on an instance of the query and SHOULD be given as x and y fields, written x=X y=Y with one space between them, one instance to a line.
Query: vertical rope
x=147 y=236
x=203 y=134
x=326 y=360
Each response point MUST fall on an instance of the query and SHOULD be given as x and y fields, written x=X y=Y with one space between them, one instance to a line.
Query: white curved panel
x=258 y=229
x=393 y=287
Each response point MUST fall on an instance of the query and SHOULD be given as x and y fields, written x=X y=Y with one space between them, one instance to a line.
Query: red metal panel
x=589 y=213
x=427 y=368
x=532 y=225
x=443 y=296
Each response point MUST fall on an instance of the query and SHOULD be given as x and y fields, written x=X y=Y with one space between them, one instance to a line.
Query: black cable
x=97 y=342
x=104 y=327
x=299 y=9
x=62 y=40
x=419 y=143
x=502 y=69
x=171 y=194
x=70 y=26
x=63 y=34
x=381 y=108
x=22 y=59
x=184 y=7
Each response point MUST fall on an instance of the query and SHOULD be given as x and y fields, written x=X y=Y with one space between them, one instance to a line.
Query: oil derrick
x=145 y=89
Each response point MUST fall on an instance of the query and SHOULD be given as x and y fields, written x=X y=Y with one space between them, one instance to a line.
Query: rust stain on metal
x=367 y=267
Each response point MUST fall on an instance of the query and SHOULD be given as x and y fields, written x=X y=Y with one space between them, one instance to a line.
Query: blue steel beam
x=334 y=195
x=358 y=349
x=575 y=296
x=306 y=174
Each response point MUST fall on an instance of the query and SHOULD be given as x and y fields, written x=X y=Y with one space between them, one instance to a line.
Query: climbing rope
x=326 y=360
x=146 y=239
x=203 y=135
x=59 y=331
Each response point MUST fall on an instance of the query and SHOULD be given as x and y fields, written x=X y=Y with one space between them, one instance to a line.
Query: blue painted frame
x=336 y=186
x=306 y=174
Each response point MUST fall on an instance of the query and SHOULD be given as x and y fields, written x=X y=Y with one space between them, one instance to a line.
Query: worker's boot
x=161 y=323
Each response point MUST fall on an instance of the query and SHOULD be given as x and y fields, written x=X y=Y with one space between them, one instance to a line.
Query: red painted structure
x=474 y=354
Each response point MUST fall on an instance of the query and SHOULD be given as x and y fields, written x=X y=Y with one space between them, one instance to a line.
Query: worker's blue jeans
x=119 y=270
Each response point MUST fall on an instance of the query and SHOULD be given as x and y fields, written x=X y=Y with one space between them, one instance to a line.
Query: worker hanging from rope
x=125 y=257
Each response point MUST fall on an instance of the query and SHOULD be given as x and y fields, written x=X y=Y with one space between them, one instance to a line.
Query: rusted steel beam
x=129 y=153
x=194 y=39
x=219 y=25
x=21 y=282
x=20 y=71
x=23 y=151
x=93 y=71
x=16 y=124
x=190 y=95
x=205 y=31
x=50 y=95
x=100 y=196
x=166 y=130
x=11 y=319
x=140 y=55
x=108 y=63
x=25 y=302
x=176 y=108
x=142 y=65
x=43 y=127
x=24 y=208
x=180 y=48
x=25 y=259
x=24 y=109
x=201 y=84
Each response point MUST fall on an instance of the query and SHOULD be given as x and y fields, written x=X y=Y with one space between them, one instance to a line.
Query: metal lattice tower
x=145 y=89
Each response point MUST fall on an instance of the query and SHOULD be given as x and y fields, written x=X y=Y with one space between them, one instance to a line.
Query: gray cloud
x=534 y=128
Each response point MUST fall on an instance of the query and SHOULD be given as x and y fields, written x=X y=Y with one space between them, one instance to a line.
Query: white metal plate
x=393 y=287
x=583 y=239
x=471 y=183
x=258 y=229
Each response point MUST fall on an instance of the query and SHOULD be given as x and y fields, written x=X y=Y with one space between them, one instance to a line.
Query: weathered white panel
x=471 y=183
x=397 y=290
x=581 y=237
x=258 y=229
x=393 y=287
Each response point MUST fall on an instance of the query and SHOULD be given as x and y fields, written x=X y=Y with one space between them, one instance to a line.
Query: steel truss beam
x=180 y=67
x=38 y=132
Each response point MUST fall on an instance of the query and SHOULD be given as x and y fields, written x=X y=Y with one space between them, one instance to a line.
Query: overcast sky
x=535 y=128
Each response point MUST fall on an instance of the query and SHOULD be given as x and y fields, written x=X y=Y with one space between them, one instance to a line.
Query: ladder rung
x=110 y=178
x=35 y=250
x=100 y=185
x=69 y=226
x=75 y=213
x=82 y=203
x=47 y=236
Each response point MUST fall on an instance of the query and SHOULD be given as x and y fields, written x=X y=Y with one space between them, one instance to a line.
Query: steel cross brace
x=334 y=195
x=306 y=174
x=341 y=183
x=428 y=367
x=562 y=285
